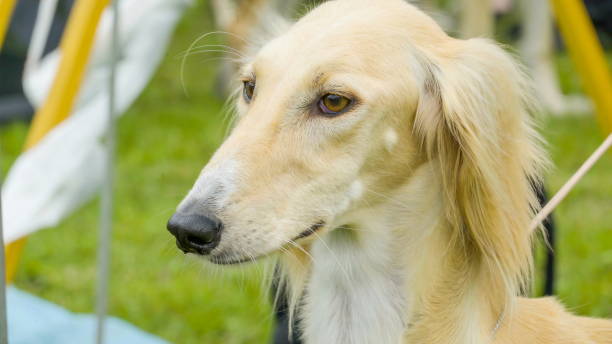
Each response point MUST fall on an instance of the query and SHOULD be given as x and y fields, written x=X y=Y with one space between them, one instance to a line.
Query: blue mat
x=32 y=320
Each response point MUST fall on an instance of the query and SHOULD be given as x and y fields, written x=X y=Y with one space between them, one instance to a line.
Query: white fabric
x=65 y=169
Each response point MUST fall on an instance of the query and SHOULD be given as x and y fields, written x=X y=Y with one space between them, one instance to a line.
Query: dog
x=389 y=166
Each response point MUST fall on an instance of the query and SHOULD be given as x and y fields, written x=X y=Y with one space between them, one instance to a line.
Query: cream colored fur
x=423 y=186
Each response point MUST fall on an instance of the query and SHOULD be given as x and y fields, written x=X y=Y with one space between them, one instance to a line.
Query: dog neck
x=355 y=293
x=392 y=277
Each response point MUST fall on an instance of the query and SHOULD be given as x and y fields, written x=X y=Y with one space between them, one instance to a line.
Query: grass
x=166 y=138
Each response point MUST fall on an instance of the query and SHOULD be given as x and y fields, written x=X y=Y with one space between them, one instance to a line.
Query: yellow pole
x=6 y=10
x=75 y=48
x=585 y=50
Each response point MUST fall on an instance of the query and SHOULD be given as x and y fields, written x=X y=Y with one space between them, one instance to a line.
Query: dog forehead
x=354 y=32
x=354 y=45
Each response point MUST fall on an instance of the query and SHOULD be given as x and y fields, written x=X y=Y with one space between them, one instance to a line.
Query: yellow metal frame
x=6 y=10
x=75 y=47
x=586 y=52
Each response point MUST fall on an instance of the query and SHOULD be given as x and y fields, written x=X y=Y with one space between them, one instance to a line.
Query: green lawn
x=166 y=138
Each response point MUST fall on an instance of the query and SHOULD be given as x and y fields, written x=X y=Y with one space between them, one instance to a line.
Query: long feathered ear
x=473 y=120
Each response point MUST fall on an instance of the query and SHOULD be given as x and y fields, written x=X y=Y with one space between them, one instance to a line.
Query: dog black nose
x=195 y=233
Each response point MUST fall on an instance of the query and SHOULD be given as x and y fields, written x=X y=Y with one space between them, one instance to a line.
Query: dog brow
x=319 y=80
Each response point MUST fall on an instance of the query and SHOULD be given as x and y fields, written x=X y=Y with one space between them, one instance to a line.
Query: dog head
x=339 y=110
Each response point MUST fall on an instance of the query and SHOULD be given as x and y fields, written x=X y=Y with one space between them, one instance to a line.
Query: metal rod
x=3 y=309
x=6 y=10
x=106 y=202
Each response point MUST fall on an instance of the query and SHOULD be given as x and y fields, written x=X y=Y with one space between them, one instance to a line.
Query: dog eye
x=248 y=90
x=333 y=104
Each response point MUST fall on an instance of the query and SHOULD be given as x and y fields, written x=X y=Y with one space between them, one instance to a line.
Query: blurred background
x=168 y=134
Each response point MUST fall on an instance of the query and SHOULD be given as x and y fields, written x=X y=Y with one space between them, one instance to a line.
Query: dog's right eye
x=248 y=90
x=333 y=104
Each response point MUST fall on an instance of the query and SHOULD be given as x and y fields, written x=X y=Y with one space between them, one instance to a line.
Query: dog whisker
x=192 y=46
x=202 y=51
x=299 y=247
x=333 y=254
x=389 y=198
x=221 y=47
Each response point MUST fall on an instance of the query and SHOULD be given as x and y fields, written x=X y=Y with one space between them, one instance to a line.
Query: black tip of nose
x=195 y=233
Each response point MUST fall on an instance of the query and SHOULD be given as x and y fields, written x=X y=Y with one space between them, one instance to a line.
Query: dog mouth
x=233 y=260
x=310 y=231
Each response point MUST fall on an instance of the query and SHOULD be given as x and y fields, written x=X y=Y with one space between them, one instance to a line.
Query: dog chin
x=222 y=260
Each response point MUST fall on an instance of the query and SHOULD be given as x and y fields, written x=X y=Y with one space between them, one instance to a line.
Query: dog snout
x=195 y=233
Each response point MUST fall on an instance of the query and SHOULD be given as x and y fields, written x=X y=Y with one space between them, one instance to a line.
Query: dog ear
x=473 y=120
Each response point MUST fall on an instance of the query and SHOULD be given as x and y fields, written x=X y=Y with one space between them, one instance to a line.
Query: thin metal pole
x=106 y=202
x=3 y=309
x=6 y=10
